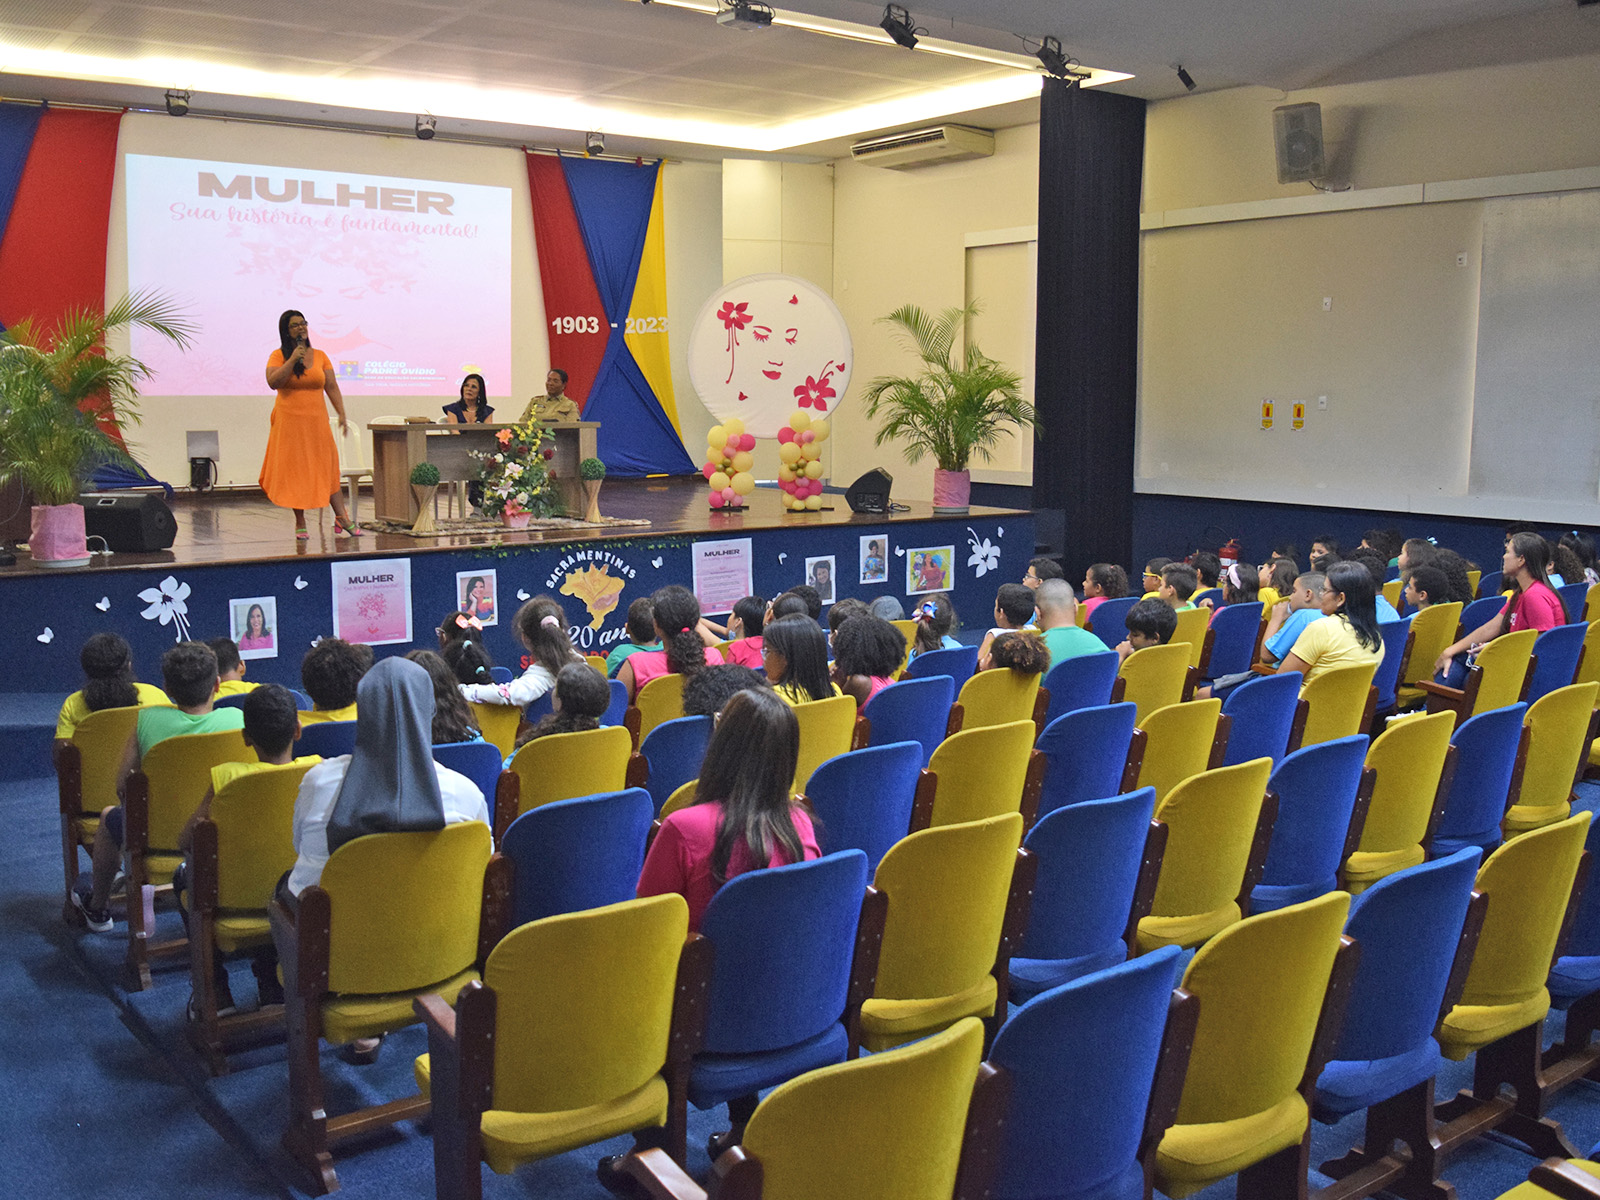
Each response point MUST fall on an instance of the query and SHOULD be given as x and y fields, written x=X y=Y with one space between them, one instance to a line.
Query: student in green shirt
x=1178 y=584
x=1058 y=622
x=641 y=635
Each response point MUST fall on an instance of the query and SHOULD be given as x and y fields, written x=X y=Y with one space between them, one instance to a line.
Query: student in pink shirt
x=744 y=816
x=1102 y=582
x=1533 y=604
x=867 y=652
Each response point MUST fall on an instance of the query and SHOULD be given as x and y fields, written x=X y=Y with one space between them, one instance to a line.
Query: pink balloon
x=749 y=441
x=709 y=470
x=786 y=434
x=807 y=438
x=729 y=495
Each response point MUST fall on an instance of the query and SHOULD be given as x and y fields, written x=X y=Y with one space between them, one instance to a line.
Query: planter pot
x=591 y=493
x=57 y=538
x=951 y=491
x=516 y=518
x=424 y=493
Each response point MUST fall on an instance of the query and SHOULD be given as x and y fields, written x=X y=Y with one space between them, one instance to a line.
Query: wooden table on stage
x=399 y=446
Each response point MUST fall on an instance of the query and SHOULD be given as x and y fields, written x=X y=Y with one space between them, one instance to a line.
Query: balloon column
x=729 y=458
x=800 y=456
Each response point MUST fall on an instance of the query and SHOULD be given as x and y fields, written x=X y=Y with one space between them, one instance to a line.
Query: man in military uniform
x=555 y=405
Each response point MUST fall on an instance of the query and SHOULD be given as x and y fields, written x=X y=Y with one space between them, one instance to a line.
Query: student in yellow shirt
x=230 y=668
x=794 y=652
x=330 y=673
x=108 y=683
x=1347 y=633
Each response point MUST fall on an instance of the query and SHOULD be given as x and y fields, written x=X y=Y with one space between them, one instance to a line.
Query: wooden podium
x=397 y=446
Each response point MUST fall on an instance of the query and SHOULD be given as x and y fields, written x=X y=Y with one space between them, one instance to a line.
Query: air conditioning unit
x=922 y=147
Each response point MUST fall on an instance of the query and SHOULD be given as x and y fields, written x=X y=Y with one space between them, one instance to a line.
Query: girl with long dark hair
x=452 y=719
x=794 y=652
x=936 y=619
x=683 y=651
x=1532 y=604
x=1347 y=633
x=108 y=682
x=541 y=627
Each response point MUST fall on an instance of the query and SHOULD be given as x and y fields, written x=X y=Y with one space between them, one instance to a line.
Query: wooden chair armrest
x=1262 y=669
x=1405 y=659
x=494 y=912
x=638 y=772
x=922 y=804
x=302 y=936
x=1119 y=688
x=864 y=962
x=1257 y=863
x=1369 y=710
x=1205 y=651
x=136 y=820
x=1358 y=818
x=1219 y=742
x=661 y=1178
x=1191 y=680
x=203 y=868
x=1032 y=789
x=507 y=800
x=860 y=733
x=981 y=1140
x=1172 y=1065
x=1297 y=727
x=1330 y=1023
x=1135 y=761
x=1466 y=947
x=1018 y=905
x=1041 y=710
x=958 y=714
x=632 y=721
x=1565 y=1181
x=1144 y=890
x=1439 y=690
x=68 y=760
x=1441 y=796
x=437 y=1015
x=1579 y=880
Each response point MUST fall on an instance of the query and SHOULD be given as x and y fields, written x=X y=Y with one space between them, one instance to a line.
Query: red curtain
x=575 y=320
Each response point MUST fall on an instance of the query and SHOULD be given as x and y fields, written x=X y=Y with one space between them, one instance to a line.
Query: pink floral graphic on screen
x=815 y=392
x=373 y=607
x=734 y=318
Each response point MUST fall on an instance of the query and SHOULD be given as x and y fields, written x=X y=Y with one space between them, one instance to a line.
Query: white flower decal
x=168 y=604
x=985 y=555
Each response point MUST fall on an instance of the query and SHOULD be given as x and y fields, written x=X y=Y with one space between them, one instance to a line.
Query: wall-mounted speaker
x=870 y=493
x=129 y=521
x=1297 y=137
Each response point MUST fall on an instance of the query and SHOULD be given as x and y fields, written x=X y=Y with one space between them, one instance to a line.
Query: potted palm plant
x=955 y=407
x=63 y=395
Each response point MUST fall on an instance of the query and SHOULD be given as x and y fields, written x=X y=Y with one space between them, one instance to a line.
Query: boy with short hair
x=1290 y=617
x=1013 y=609
x=641 y=629
x=1178 y=584
x=230 y=668
x=1208 y=566
x=1152 y=577
x=1041 y=569
x=1427 y=586
x=330 y=672
x=1151 y=622
x=1058 y=623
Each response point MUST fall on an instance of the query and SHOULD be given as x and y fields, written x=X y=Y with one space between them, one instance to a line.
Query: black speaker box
x=1297 y=139
x=129 y=521
x=870 y=493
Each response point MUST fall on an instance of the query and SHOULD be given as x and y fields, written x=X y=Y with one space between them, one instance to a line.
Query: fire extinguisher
x=1229 y=554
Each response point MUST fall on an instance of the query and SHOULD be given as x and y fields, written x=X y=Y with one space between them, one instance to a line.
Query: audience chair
x=540 y=708
x=1479 y=611
x=1264 y=712
x=1218 y=825
x=1414 y=762
x=501 y=674
x=958 y=664
x=160 y=798
x=1417 y=931
x=1155 y=676
x=669 y=756
x=996 y=697
x=864 y=800
x=795 y=955
x=659 y=700
x=1339 y=702
x=1090 y=754
x=560 y=766
x=913 y=710
x=1097 y=869
x=1564 y=1179
x=327 y=739
x=985 y=772
x=617 y=712
x=1272 y=992
x=1096 y=1068
x=908 y=630
x=229 y=701
x=1499 y=677
x=86 y=784
x=498 y=723
x=1576 y=597
x=1397 y=643
x=919 y=1123
x=1234 y=633
x=1432 y=629
x=1183 y=740
x=527 y=1065
x=1194 y=630
x=827 y=728
x=1487 y=585
x=597 y=661
x=1561 y=728
x=1323 y=792
x=573 y=855
x=478 y=761
x=1574 y=986
x=1591 y=605
x=1109 y=621
x=394 y=916
x=957 y=905
x=1393 y=592
x=1555 y=658
x=239 y=853
x=1491 y=752
x=1589 y=657
x=1082 y=681
x=1212 y=594
x=681 y=798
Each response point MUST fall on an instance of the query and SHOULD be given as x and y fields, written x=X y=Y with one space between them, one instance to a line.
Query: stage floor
x=216 y=528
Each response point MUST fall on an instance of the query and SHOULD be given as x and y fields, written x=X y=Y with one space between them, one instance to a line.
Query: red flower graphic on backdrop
x=734 y=318
x=816 y=392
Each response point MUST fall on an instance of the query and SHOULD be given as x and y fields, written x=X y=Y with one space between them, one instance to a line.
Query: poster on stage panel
x=819 y=574
x=372 y=601
x=477 y=595
x=253 y=624
x=928 y=569
x=722 y=574
x=874 y=558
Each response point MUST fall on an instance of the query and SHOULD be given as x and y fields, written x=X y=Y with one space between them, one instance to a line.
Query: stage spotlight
x=594 y=144
x=178 y=103
x=897 y=24
x=745 y=14
x=426 y=126
x=1185 y=78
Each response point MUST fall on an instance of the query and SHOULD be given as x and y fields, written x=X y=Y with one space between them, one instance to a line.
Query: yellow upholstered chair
x=994 y=697
x=827 y=729
x=682 y=796
x=1392 y=591
x=1271 y=992
x=986 y=772
x=1194 y=624
x=659 y=700
x=160 y=798
x=1155 y=677
x=582 y=1029
x=1183 y=740
x=917 y=1123
x=1591 y=603
x=1560 y=729
x=86 y=783
x=1413 y=763
x=395 y=916
x=1589 y=658
x=1432 y=630
x=1498 y=678
x=1474 y=579
x=560 y=766
x=1339 y=703
x=1218 y=826
x=498 y=723
x=239 y=853
x=597 y=661
x=958 y=899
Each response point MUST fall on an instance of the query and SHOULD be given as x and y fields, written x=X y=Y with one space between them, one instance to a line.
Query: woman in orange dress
x=301 y=469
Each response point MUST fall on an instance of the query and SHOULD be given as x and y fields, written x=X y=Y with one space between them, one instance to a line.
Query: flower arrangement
x=516 y=478
x=425 y=474
x=592 y=468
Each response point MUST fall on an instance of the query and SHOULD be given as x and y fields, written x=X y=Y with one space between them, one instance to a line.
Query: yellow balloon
x=814 y=503
x=717 y=437
x=785 y=473
x=744 y=483
x=789 y=452
x=819 y=430
x=733 y=427
x=796 y=503
x=743 y=461
x=719 y=481
x=801 y=421
x=813 y=470
x=810 y=452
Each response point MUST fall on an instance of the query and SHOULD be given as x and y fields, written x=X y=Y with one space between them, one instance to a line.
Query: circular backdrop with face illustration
x=766 y=345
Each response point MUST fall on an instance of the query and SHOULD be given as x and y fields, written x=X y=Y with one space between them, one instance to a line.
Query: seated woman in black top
x=473 y=407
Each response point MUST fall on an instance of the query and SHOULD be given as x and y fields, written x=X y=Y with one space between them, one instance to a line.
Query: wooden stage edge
x=226 y=528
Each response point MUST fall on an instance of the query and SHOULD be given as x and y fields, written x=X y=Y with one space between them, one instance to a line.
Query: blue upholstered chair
x=478 y=761
x=1489 y=584
x=863 y=800
x=1577 y=972
x=1574 y=596
x=783 y=977
x=1396 y=636
x=1089 y=1063
x=1082 y=681
x=234 y=701
x=541 y=708
x=327 y=738
x=1322 y=792
x=1087 y=755
x=958 y=663
x=1233 y=639
x=1212 y=594
x=618 y=707
x=673 y=752
x=1556 y=651
x=501 y=674
x=913 y=710
x=1098 y=865
x=1262 y=711
x=1107 y=622
x=1486 y=757
x=1479 y=611
x=572 y=855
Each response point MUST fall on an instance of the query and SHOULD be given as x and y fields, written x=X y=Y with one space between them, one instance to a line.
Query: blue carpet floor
x=107 y=1099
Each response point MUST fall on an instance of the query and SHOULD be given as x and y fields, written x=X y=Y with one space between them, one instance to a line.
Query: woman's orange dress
x=301 y=469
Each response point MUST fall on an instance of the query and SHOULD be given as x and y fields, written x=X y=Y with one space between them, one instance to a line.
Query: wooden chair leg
x=461 y=1058
x=1515 y=1060
x=306 y=1138
x=1407 y=1119
x=1281 y=1176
